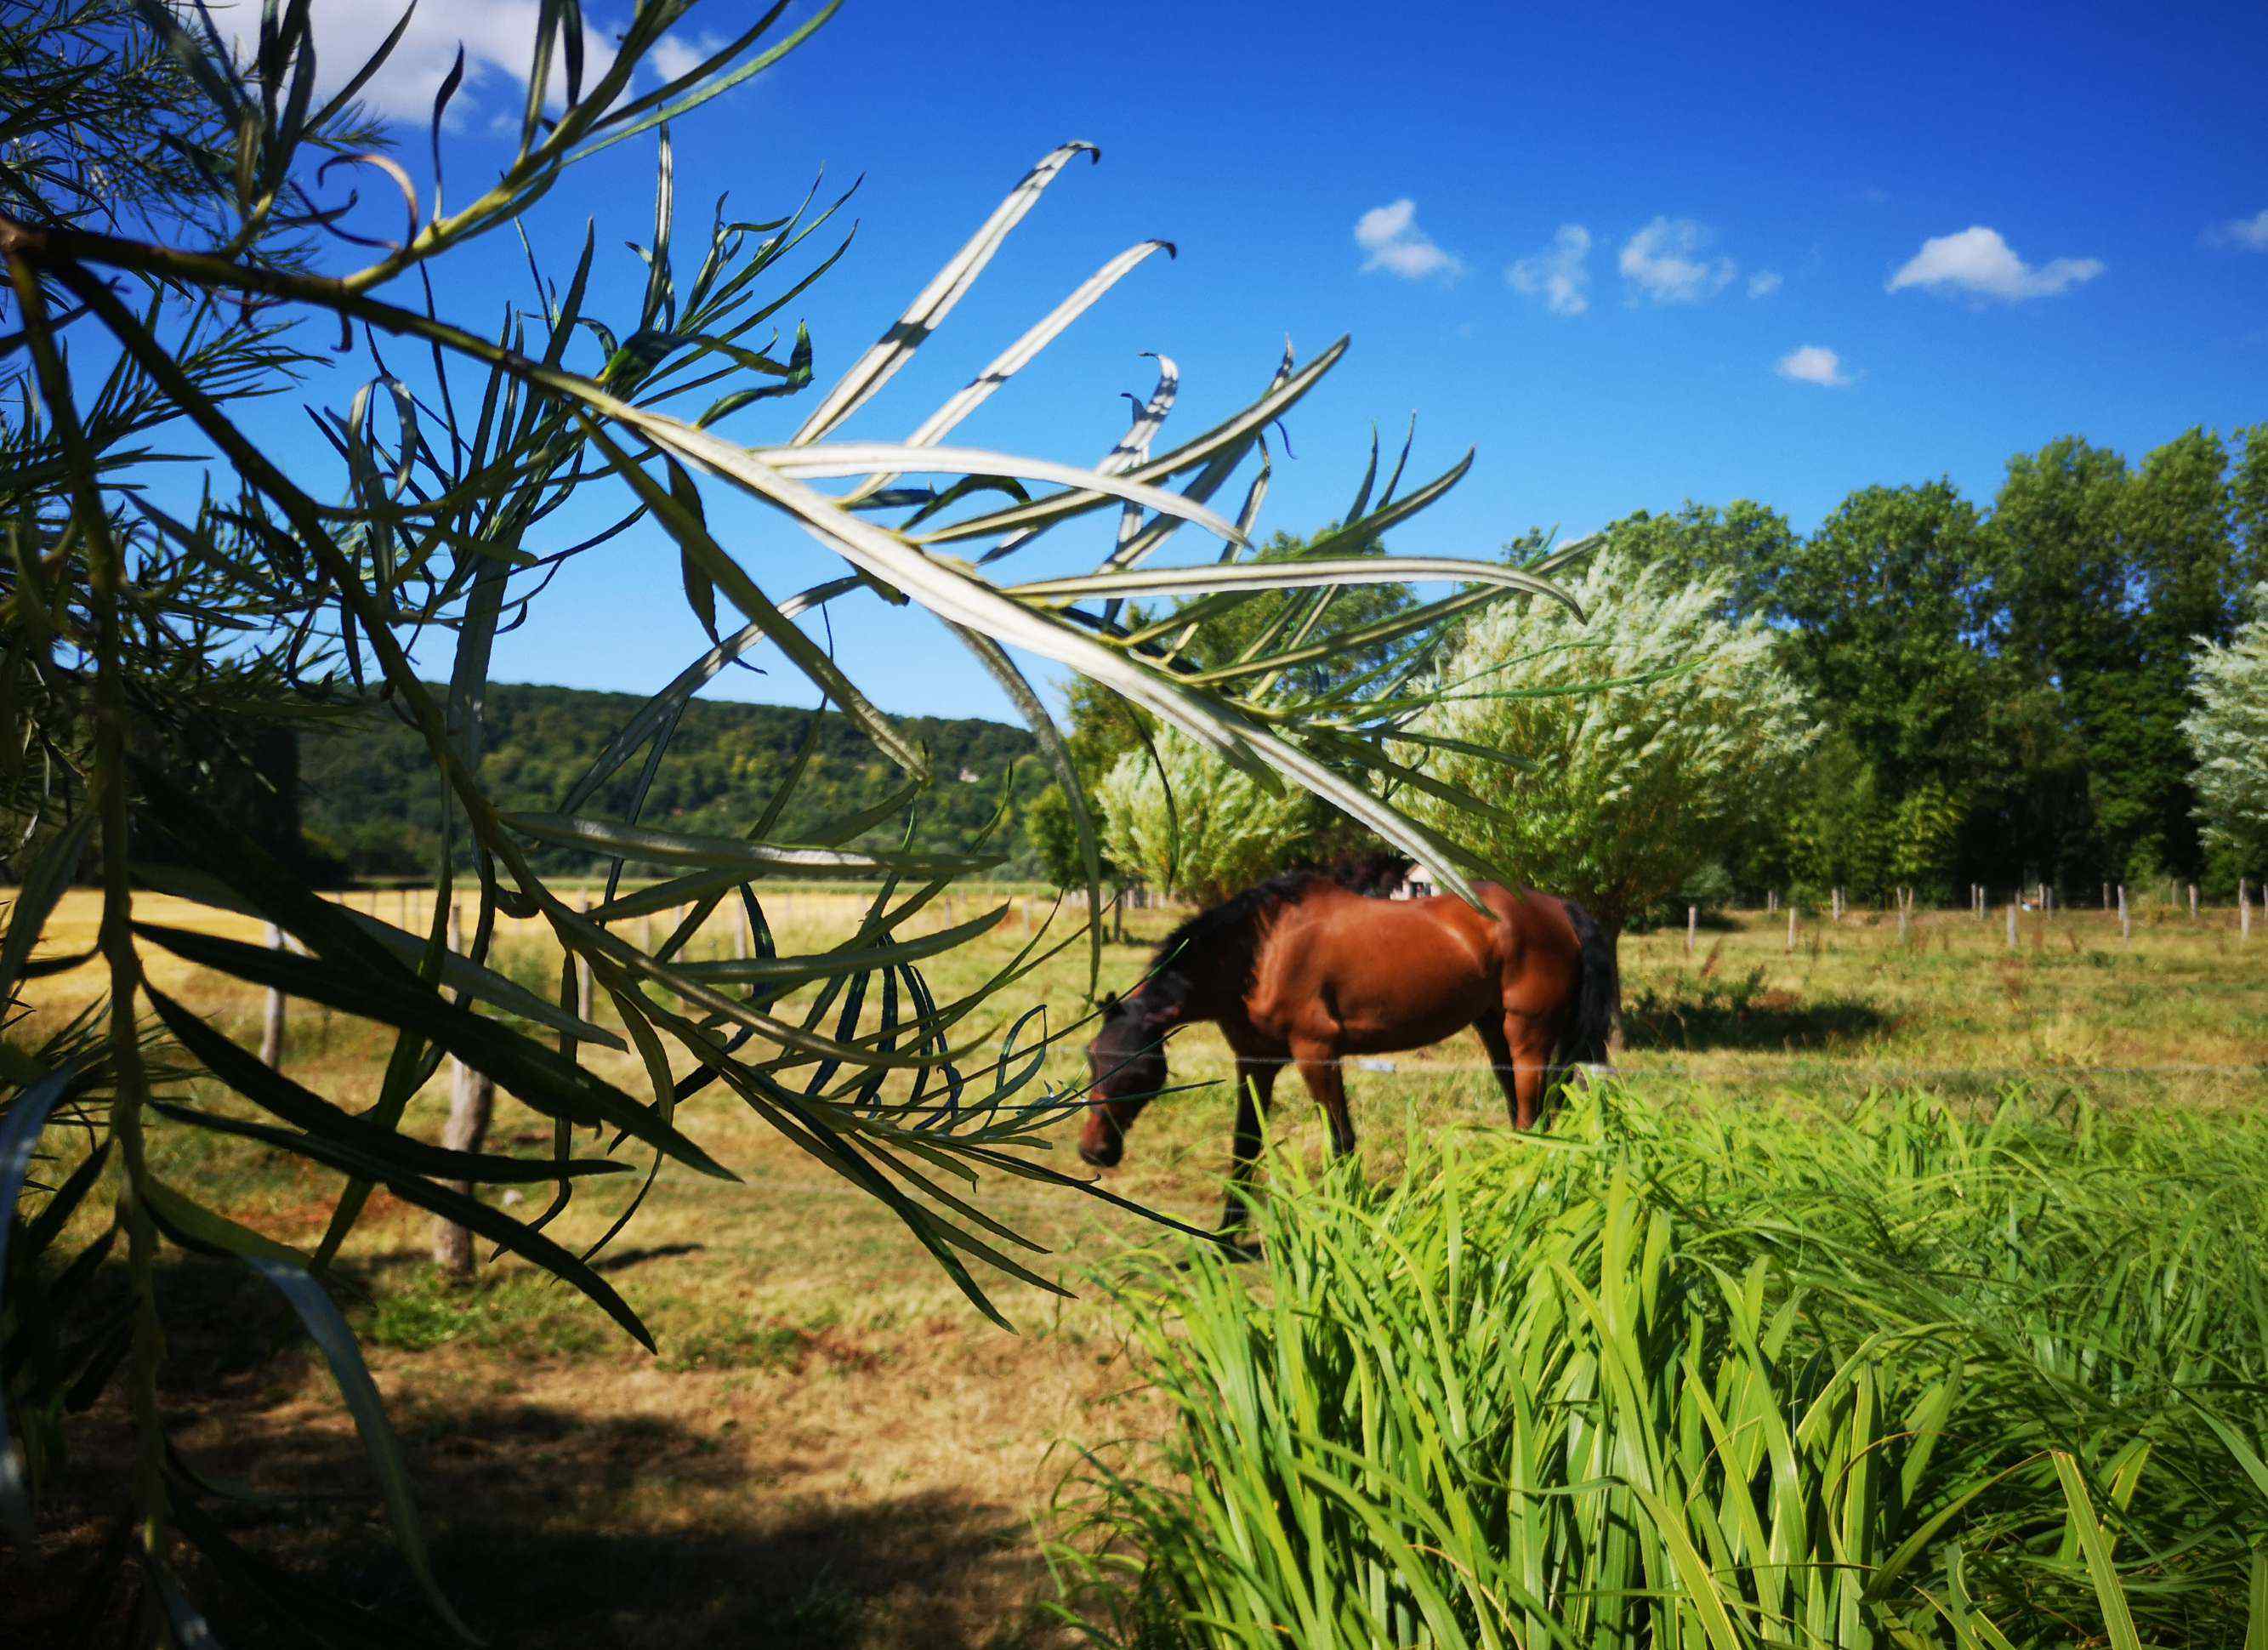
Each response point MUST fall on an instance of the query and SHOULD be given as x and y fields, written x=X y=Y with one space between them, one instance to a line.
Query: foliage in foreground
x=1716 y=1378
x=223 y=580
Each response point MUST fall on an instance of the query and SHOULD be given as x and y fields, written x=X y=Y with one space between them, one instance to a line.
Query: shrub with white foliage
x=1643 y=740
x=1192 y=825
x=2229 y=731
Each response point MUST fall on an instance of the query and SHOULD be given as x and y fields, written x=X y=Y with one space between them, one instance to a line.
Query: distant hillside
x=369 y=792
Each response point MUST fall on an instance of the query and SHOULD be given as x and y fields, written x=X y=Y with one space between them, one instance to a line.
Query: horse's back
x=1376 y=974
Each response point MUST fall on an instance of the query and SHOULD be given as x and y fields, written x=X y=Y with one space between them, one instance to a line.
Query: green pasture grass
x=1695 y=1374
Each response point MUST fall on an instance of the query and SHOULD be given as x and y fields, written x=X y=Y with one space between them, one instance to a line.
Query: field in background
x=832 y=1446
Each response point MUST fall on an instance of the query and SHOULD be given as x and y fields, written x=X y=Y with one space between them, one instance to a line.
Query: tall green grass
x=1712 y=1378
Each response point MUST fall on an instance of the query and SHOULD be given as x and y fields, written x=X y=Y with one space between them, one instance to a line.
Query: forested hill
x=370 y=793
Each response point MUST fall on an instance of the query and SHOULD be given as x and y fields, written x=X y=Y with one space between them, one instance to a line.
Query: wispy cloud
x=1764 y=283
x=2251 y=233
x=1979 y=263
x=1666 y=261
x=1560 y=274
x=1814 y=364
x=1390 y=235
x=673 y=54
x=499 y=37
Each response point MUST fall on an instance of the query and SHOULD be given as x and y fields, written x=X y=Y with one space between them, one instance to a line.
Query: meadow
x=832 y=1447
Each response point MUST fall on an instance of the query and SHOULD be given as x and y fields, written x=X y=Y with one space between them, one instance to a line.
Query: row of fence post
x=2043 y=900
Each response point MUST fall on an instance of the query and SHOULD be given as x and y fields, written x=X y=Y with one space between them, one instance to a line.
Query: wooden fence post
x=583 y=975
x=1791 y=928
x=2013 y=905
x=1771 y=902
x=471 y=1102
x=2193 y=902
x=1692 y=927
x=271 y=1028
x=2125 y=920
x=2244 y=910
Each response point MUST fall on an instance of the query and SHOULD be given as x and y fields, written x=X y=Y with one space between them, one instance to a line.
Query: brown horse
x=1304 y=968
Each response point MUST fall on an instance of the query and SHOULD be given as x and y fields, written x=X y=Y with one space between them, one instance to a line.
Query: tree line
x=2001 y=694
x=371 y=800
x=2003 y=686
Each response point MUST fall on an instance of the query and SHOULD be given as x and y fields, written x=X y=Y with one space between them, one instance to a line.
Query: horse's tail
x=1584 y=1043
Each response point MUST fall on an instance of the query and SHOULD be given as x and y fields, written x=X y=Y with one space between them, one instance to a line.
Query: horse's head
x=1126 y=1062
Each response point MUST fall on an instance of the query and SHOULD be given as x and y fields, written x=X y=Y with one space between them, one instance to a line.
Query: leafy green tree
x=1747 y=544
x=2228 y=733
x=1054 y=838
x=2107 y=577
x=1621 y=753
x=1833 y=828
x=1924 y=830
x=1885 y=605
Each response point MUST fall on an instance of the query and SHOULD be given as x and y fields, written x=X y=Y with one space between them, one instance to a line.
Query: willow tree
x=1641 y=741
x=2228 y=732
x=1194 y=825
x=436 y=502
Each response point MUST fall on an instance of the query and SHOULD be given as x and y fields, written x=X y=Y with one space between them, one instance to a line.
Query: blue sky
x=1634 y=257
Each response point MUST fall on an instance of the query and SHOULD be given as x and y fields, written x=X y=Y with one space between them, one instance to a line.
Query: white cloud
x=1764 y=284
x=1559 y=274
x=1390 y=235
x=1814 y=364
x=1665 y=262
x=2251 y=234
x=1977 y=261
x=499 y=37
x=673 y=55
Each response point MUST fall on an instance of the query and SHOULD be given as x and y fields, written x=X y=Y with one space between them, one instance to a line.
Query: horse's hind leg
x=1500 y=1061
x=1531 y=1045
x=1320 y=1067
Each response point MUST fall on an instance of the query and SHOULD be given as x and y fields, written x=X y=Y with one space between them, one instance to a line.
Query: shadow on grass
x=550 y=1529
x=549 y=1524
x=1707 y=1012
x=623 y=1260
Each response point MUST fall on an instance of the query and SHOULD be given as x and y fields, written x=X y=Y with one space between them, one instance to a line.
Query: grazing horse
x=1306 y=969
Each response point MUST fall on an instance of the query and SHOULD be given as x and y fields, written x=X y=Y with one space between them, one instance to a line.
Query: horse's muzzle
x=1104 y=1153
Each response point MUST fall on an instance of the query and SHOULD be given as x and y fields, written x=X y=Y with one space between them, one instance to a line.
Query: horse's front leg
x=1319 y=1067
x=1256 y=1085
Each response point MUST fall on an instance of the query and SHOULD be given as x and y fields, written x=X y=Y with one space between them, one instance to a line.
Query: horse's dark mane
x=1373 y=876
